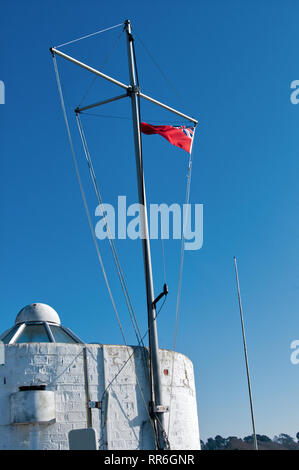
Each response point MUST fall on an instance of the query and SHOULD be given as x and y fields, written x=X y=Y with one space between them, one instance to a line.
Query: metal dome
x=38 y=323
x=37 y=312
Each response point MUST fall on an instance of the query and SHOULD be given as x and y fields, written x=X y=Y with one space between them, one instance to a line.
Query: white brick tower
x=51 y=383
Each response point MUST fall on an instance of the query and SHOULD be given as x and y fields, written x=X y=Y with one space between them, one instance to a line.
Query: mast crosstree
x=156 y=407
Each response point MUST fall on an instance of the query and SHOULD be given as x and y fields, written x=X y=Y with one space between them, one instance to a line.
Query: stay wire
x=127 y=118
x=89 y=35
x=153 y=121
x=102 y=65
x=166 y=78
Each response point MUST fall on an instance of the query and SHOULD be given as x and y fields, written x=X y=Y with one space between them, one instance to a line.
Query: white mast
x=151 y=307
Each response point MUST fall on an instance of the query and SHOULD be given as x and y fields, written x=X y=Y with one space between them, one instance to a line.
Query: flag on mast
x=180 y=136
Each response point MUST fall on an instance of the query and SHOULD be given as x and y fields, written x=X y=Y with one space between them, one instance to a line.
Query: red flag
x=181 y=136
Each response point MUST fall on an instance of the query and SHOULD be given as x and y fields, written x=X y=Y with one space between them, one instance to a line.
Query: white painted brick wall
x=60 y=368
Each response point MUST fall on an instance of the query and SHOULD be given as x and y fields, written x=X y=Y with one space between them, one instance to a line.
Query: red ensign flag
x=180 y=136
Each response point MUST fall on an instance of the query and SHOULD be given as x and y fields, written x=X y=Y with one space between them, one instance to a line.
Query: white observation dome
x=37 y=312
x=38 y=323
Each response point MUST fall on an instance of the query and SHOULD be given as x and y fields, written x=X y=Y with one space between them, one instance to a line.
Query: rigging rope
x=163 y=257
x=89 y=35
x=187 y=198
x=106 y=116
x=166 y=78
x=153 y=121
x=125 y=363
x=110 y=239
x=123 y=366
x=102 y=65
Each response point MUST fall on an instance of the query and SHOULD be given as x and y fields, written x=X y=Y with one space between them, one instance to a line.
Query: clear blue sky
x=231 y=63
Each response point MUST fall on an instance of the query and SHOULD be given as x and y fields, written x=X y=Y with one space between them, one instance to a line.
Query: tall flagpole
x=246 y=357
x=156 y=389
x=156 y=408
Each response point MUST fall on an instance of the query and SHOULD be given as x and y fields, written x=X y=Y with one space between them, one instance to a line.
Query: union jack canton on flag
x=180 y=136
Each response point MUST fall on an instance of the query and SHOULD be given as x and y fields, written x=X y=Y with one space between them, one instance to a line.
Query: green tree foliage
x=259 y=437
x=281 y=442
x=286 y=441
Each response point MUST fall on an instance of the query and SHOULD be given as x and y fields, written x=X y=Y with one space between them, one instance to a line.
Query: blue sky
x=230 y=64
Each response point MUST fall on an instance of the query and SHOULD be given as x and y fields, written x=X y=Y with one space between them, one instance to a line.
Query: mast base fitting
x=161 y=409
x=95 y=404
x=154 y=409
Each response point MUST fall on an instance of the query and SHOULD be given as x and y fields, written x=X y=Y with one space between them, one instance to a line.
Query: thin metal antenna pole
x=153 y=336
x=246 y=357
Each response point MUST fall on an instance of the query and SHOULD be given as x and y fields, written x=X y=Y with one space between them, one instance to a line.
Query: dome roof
x=38 y=323
x=37 y=312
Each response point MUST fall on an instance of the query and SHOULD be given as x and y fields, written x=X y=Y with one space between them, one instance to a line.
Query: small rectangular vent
x=25 y=388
